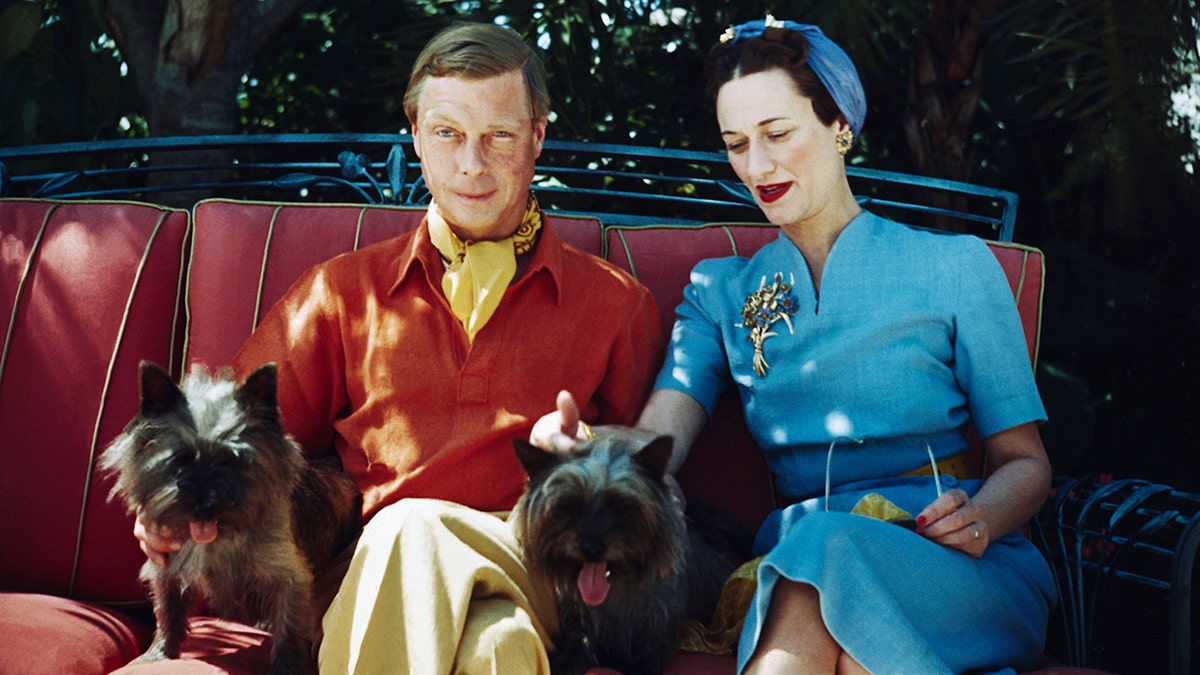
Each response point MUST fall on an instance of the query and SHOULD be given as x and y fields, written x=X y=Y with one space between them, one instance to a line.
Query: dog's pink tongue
x=203 y=531
x=593 y=583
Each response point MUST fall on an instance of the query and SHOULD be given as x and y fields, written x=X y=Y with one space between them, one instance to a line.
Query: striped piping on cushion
x=108 y=376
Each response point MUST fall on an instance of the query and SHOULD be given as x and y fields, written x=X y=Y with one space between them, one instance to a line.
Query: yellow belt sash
x=960 y=466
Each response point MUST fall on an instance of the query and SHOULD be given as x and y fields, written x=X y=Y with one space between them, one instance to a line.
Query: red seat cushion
x=47 y=634
x=215 y=646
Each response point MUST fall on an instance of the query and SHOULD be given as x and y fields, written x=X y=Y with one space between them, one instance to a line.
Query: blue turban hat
x=830 y=62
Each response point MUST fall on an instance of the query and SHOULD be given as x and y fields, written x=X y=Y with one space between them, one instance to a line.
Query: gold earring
x=844 y=141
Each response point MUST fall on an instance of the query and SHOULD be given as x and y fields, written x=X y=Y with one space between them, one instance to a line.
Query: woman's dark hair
x=777 y=48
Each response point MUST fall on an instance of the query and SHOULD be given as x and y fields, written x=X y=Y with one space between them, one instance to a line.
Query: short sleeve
x=991 y=360
x=696 y=363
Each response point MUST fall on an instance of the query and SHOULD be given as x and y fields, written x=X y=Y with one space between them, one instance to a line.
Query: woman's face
x=779 y=148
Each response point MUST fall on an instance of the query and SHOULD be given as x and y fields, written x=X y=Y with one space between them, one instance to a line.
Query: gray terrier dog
x=211 y=463
x=601 y=527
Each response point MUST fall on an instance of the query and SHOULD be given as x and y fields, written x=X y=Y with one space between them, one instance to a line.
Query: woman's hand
x=156 y=543
x=954 y=521
x=1016 y=488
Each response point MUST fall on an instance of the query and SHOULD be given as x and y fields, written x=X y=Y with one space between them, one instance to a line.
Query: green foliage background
x=1076 y=118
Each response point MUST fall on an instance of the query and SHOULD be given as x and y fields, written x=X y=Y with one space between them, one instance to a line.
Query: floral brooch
x=770 y=303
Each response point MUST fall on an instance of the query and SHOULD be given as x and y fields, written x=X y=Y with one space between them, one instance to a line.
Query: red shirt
x=373 y=361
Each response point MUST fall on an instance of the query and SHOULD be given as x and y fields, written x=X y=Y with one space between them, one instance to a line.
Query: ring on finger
x=974 y=531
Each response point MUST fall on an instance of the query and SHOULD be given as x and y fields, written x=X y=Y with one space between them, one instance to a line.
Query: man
x=419 y=359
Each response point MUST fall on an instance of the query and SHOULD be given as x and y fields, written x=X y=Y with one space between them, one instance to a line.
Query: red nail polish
x=920 y=521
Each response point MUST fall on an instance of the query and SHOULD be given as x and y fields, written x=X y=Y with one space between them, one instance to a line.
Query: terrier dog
x=601 y=527
x=211 y=463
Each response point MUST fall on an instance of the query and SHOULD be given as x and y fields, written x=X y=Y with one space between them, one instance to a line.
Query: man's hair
x=477 y=51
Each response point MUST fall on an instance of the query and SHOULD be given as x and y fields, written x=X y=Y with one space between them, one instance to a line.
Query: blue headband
x=830 y=62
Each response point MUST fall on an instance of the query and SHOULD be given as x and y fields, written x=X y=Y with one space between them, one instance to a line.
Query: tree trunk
x=945 y=86
x=186 y=59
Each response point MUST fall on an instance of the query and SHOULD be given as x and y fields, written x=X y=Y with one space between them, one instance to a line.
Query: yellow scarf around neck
x=478 y=272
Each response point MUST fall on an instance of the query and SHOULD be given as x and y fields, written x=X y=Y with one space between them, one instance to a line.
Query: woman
x=862 y=349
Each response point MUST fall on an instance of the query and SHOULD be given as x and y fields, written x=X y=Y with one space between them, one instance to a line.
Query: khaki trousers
x=436 y=588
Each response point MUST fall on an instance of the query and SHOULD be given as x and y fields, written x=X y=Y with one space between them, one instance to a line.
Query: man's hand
x=156 y=543
x=561 y=430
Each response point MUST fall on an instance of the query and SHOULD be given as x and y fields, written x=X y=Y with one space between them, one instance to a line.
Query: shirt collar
x=420 y=255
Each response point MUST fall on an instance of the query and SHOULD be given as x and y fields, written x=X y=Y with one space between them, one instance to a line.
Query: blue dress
x=915 y=335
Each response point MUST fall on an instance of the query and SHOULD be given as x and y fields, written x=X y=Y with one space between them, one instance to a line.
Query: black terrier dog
x=211 y=463
x=627 y=572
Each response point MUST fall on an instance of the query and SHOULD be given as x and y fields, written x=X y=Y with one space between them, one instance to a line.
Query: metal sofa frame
x=1098 y=535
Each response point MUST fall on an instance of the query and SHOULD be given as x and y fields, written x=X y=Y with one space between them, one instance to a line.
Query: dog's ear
x=656 y=455
x=257 y=394
x=533 y=459
x=160 y=395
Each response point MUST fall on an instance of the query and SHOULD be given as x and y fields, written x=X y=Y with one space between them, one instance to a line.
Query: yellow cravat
x=479 y=272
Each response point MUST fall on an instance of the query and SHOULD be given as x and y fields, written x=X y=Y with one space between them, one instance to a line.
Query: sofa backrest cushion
x=1025 y=267
x=247 y=254
x=87 y=291
x=724 y=466
x=662 y=257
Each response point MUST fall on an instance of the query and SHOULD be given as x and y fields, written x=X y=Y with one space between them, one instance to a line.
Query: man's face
x=477 y=146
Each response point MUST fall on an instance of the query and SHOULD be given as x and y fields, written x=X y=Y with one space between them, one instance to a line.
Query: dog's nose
x=206 y=511
x=593 y=549
x=216 y=495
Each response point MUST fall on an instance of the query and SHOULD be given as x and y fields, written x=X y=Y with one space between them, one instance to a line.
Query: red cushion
x=215 y=646
x=247 y=254
x=88 y=290
x=662 y=257
x=687 y=663
x=46 y=634
x=724 y=466
x=1025 y=268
